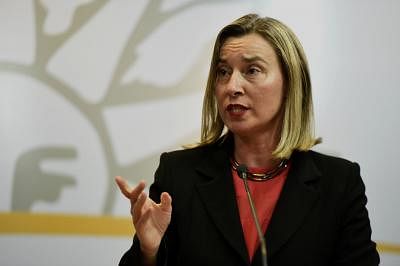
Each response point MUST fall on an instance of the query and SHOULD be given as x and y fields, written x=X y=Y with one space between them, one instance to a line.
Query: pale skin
x=150 y=219
x=250 y=78
x=249 y=92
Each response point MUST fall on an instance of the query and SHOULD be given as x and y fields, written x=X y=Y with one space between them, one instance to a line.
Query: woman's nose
x=235 y=85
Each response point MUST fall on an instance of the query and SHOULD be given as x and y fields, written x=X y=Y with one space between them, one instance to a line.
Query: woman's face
x=249 y=86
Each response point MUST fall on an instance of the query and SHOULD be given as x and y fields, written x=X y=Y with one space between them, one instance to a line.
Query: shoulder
x=188 y=155
x=335 y=174
x=177 y=163
x=325 y=162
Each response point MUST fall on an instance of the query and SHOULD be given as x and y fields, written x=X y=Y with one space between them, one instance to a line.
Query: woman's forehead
x=250 y=47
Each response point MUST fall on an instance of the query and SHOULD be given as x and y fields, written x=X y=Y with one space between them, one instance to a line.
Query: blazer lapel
x=295 y=201
x=218 y=195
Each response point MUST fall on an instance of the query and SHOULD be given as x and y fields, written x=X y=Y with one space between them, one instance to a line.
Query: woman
x=257 y=112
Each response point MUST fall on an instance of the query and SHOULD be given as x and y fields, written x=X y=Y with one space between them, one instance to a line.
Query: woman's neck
x=255 y=152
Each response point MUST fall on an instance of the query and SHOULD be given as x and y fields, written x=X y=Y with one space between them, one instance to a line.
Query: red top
x=265 y=194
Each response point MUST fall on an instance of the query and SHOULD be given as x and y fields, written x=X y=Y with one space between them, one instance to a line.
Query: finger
x=166 y=202
x=123 y=186
x=134 y=194
x=128 y=192
x=137 y=207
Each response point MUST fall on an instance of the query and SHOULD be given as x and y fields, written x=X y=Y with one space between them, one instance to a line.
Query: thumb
x=166 y=202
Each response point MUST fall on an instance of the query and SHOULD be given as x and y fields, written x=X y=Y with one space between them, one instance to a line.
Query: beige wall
x=94 y=89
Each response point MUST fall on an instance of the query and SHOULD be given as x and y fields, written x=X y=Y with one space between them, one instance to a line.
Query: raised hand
x=150 y=219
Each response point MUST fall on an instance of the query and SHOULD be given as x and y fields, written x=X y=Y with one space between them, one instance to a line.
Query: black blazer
x=320 y=217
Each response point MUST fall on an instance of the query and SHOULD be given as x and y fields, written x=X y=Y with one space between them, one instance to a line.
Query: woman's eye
x=253 y=71
x=222 y=72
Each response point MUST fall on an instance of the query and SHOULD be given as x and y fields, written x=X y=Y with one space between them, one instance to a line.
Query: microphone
x=242 y=172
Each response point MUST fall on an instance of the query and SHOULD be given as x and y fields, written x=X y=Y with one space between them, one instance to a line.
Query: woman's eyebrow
x=247 y=59
x=221 y=60
x=253 y=58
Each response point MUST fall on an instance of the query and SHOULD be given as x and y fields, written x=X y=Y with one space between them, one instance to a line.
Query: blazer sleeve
x=354 y=245
x=132 y=257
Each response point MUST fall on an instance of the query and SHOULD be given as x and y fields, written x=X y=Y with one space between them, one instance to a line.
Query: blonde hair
x=297 y=132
